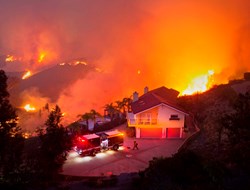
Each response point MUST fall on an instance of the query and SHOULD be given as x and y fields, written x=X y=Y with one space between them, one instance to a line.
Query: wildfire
x=199 y=84
x=26 y=135
x=29 y=108
x=74 y=62
x=9 y=58
x=26 y=75
x=80 y=62
x=12 y=58
x=98 y=69
x=41 y=57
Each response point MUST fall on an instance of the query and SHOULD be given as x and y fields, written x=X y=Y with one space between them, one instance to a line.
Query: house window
x=145 y=118
x=174 y=117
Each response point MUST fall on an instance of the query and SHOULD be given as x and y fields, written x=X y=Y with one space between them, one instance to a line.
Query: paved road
x=125 y=160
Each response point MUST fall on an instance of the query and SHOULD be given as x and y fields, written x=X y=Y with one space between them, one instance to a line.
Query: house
x=92 y=122
x=156 y=114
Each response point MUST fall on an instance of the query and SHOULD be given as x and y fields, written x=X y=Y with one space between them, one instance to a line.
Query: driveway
x=125 y=160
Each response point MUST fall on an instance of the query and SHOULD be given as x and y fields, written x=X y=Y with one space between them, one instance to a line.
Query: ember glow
x=41 y=57
x=80 y=62
x=29 y=108
x=200 y=84
x=26 y=135
x=10 y=58
x=26 y=75
x=133 y=43
x=75 y=62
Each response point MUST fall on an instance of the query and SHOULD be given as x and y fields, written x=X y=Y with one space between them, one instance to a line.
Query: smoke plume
x=134 y=43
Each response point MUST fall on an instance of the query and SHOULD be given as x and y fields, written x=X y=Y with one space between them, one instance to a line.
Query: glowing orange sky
x=169 y=42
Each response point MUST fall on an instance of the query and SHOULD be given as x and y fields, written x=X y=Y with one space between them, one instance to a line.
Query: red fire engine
x=93 y=143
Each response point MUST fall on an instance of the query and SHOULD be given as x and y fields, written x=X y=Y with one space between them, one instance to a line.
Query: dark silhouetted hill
x=51 y=82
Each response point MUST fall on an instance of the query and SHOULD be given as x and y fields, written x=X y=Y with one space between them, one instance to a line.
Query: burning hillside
x=51 y=82
x=186 y=45
x=200 y=84
x=26 y=75
x=29 y=108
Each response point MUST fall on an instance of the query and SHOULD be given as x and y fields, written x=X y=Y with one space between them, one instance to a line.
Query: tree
x=120 y=106
x=111 y=110
x=94 y=114
x=238 y=122
x=127 y=104
x=8 y=117
x=46 y=107
x=85 y=117
x=237 y=125
x=184 y=170
x=55 y=142
x=124 y=105
x=11 y=141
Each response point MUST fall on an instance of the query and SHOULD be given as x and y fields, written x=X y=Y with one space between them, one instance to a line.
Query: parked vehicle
x=97 y=142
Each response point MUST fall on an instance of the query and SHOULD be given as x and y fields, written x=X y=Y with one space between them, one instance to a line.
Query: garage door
x=173 y=132
x=151 y=132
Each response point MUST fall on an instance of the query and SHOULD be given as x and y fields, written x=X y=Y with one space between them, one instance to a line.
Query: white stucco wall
x=162 y=113
x=138 y=132
x=165 y=113
x=91 y=125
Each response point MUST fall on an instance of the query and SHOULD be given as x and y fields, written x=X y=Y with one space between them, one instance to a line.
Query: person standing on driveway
x=135 y=146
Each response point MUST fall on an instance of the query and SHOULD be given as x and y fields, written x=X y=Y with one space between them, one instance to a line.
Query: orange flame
x=199 y=84
x=26 y=75
x=26 y=135
x=29 y=108
x=41 y=57
x=80 y=62
x=98 y=69
x=74 y=62
x=10 y=58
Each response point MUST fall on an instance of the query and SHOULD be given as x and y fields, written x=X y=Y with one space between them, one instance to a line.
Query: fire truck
x=93 y=143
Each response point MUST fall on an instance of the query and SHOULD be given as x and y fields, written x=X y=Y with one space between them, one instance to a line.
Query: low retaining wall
x=189 y=139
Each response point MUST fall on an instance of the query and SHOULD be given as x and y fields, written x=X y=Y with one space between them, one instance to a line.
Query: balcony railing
x=133 y=122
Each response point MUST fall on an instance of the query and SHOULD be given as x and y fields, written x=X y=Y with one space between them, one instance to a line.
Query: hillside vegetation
x=218 y=157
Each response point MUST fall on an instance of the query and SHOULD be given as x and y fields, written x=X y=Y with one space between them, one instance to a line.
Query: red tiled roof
x=155 y=97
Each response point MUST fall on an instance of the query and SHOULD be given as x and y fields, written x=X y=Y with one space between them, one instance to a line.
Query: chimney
x=145 y=90
x=135 y=96
x=247 y=76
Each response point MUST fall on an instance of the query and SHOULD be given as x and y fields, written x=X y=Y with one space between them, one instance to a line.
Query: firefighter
x=135 y=146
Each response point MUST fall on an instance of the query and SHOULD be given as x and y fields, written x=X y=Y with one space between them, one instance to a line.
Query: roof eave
x=176 y=109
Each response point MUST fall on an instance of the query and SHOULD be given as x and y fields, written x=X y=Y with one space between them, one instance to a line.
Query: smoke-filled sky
x=136 y=43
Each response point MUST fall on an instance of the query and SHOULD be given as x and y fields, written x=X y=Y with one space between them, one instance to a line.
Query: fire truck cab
x=94 y=143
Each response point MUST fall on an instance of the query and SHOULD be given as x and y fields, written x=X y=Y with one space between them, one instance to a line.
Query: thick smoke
x=135 y=43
